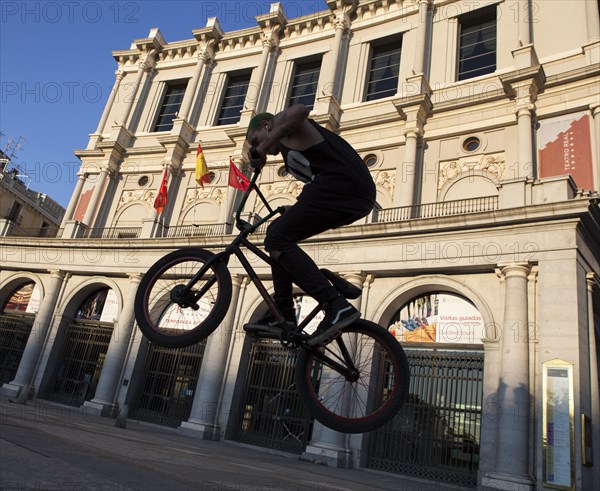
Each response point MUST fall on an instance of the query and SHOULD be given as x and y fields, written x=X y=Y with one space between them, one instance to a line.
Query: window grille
x=477 y=43
x=384 y=70
x=235 y=94
x=304 y=86
x=170 y=106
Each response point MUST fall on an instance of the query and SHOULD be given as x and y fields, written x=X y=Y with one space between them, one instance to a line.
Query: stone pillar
x=592 y=284
x=35 y=342
x=326 y=103
x=129 y=98
x=119 y=74
x=524 y=18
x=329 y=82
x=110 y=378
x=329 y=446
x=424 y=19
x=523 y=85
x=512 y=466
x=74 y=198
x=525 y=166
x=204 y=418
x=405 y=173
x=524 y=55
x=593 y=26
x=192 y=87
x=269 y=43
x=92 y=207
x=147 y=67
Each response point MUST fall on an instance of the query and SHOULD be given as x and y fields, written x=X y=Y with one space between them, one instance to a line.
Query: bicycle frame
x=235 y=248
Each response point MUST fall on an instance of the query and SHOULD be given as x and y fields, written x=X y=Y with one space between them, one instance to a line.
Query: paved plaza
x=44 y=446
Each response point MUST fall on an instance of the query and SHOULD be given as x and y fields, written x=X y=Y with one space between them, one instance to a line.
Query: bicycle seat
x=343 y=286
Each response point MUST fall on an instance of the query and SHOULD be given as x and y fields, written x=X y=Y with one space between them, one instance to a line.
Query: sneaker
x=268 y=324
x=338 y=315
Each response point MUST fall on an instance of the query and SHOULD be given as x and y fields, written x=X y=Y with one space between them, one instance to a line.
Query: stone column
x=512 y=466
x=74 y=198
x=525 y=166
x=524 y=23
x=184 y=111
x=419 y=55
x=110 y=378
x=204 y=418
x=329 y=82
x=593 y=26
x=405 y=174
x=592 y=284
x=147 y=67
x=129 y=97
x=329 y=446
x=119 y=74
x=269 y=43
x=35 y=342
x=92 y=207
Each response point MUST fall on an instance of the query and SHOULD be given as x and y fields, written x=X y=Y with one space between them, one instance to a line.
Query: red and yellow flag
x=202 y=175
x=161 y=198
x=236 y=178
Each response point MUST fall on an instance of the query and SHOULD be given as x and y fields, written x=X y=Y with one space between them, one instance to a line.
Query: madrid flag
x=161 y=198
x=236 y=178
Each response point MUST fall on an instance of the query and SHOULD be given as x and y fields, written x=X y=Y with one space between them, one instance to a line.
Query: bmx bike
x=353 y=383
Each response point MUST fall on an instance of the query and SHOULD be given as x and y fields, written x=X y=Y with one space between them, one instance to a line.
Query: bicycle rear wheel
x=357 y=382
x=173 y=317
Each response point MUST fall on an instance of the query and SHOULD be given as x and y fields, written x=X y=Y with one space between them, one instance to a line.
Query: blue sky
x=56 y=69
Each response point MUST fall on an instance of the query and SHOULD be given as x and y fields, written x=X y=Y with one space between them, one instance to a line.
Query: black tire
x=355 y=406
x=162 y=320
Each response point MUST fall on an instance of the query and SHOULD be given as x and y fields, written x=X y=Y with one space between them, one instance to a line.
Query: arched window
x=24 y=300
x=438 y=317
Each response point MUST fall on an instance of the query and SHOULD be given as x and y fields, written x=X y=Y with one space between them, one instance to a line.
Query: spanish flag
x=202 y=175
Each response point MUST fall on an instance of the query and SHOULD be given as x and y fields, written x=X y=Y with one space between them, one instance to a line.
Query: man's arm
x=283 y=125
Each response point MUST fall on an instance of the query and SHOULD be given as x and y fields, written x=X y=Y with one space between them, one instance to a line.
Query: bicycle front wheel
x=174 y=313
x=357 y=382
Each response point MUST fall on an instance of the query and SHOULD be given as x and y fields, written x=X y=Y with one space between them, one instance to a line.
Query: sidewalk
x=44 y=446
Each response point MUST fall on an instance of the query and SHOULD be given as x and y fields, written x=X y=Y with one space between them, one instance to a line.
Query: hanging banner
x=110 y=311
x=439 y=318
x=34 y=302
x=565 y=147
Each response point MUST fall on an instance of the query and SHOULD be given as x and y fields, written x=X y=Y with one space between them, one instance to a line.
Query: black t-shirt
x=340 y=177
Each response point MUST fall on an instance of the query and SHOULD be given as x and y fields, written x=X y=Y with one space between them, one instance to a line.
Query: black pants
x=301 y=221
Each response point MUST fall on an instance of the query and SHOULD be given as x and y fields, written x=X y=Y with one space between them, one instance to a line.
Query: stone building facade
x=480 y=123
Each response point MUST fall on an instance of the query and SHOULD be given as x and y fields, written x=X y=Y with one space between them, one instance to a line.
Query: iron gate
x=272 y=414
x=436 y=435
x=166 y=392
x=14 y=332
x=80 y=363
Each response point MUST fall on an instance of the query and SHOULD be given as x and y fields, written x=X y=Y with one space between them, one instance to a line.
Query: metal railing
x=16 y=231
x=112 y=233
x=207 y=229
x=438 y=209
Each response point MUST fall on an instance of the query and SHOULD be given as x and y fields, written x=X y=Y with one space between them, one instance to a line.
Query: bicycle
x=353 y=383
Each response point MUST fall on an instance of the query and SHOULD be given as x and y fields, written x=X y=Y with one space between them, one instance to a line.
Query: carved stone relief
x=491 y=166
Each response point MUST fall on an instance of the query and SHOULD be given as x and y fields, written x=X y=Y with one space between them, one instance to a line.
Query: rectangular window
x=304 y=86
x=477 y=43
x=384 y=70
x=235 y=94
x=170 y=106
